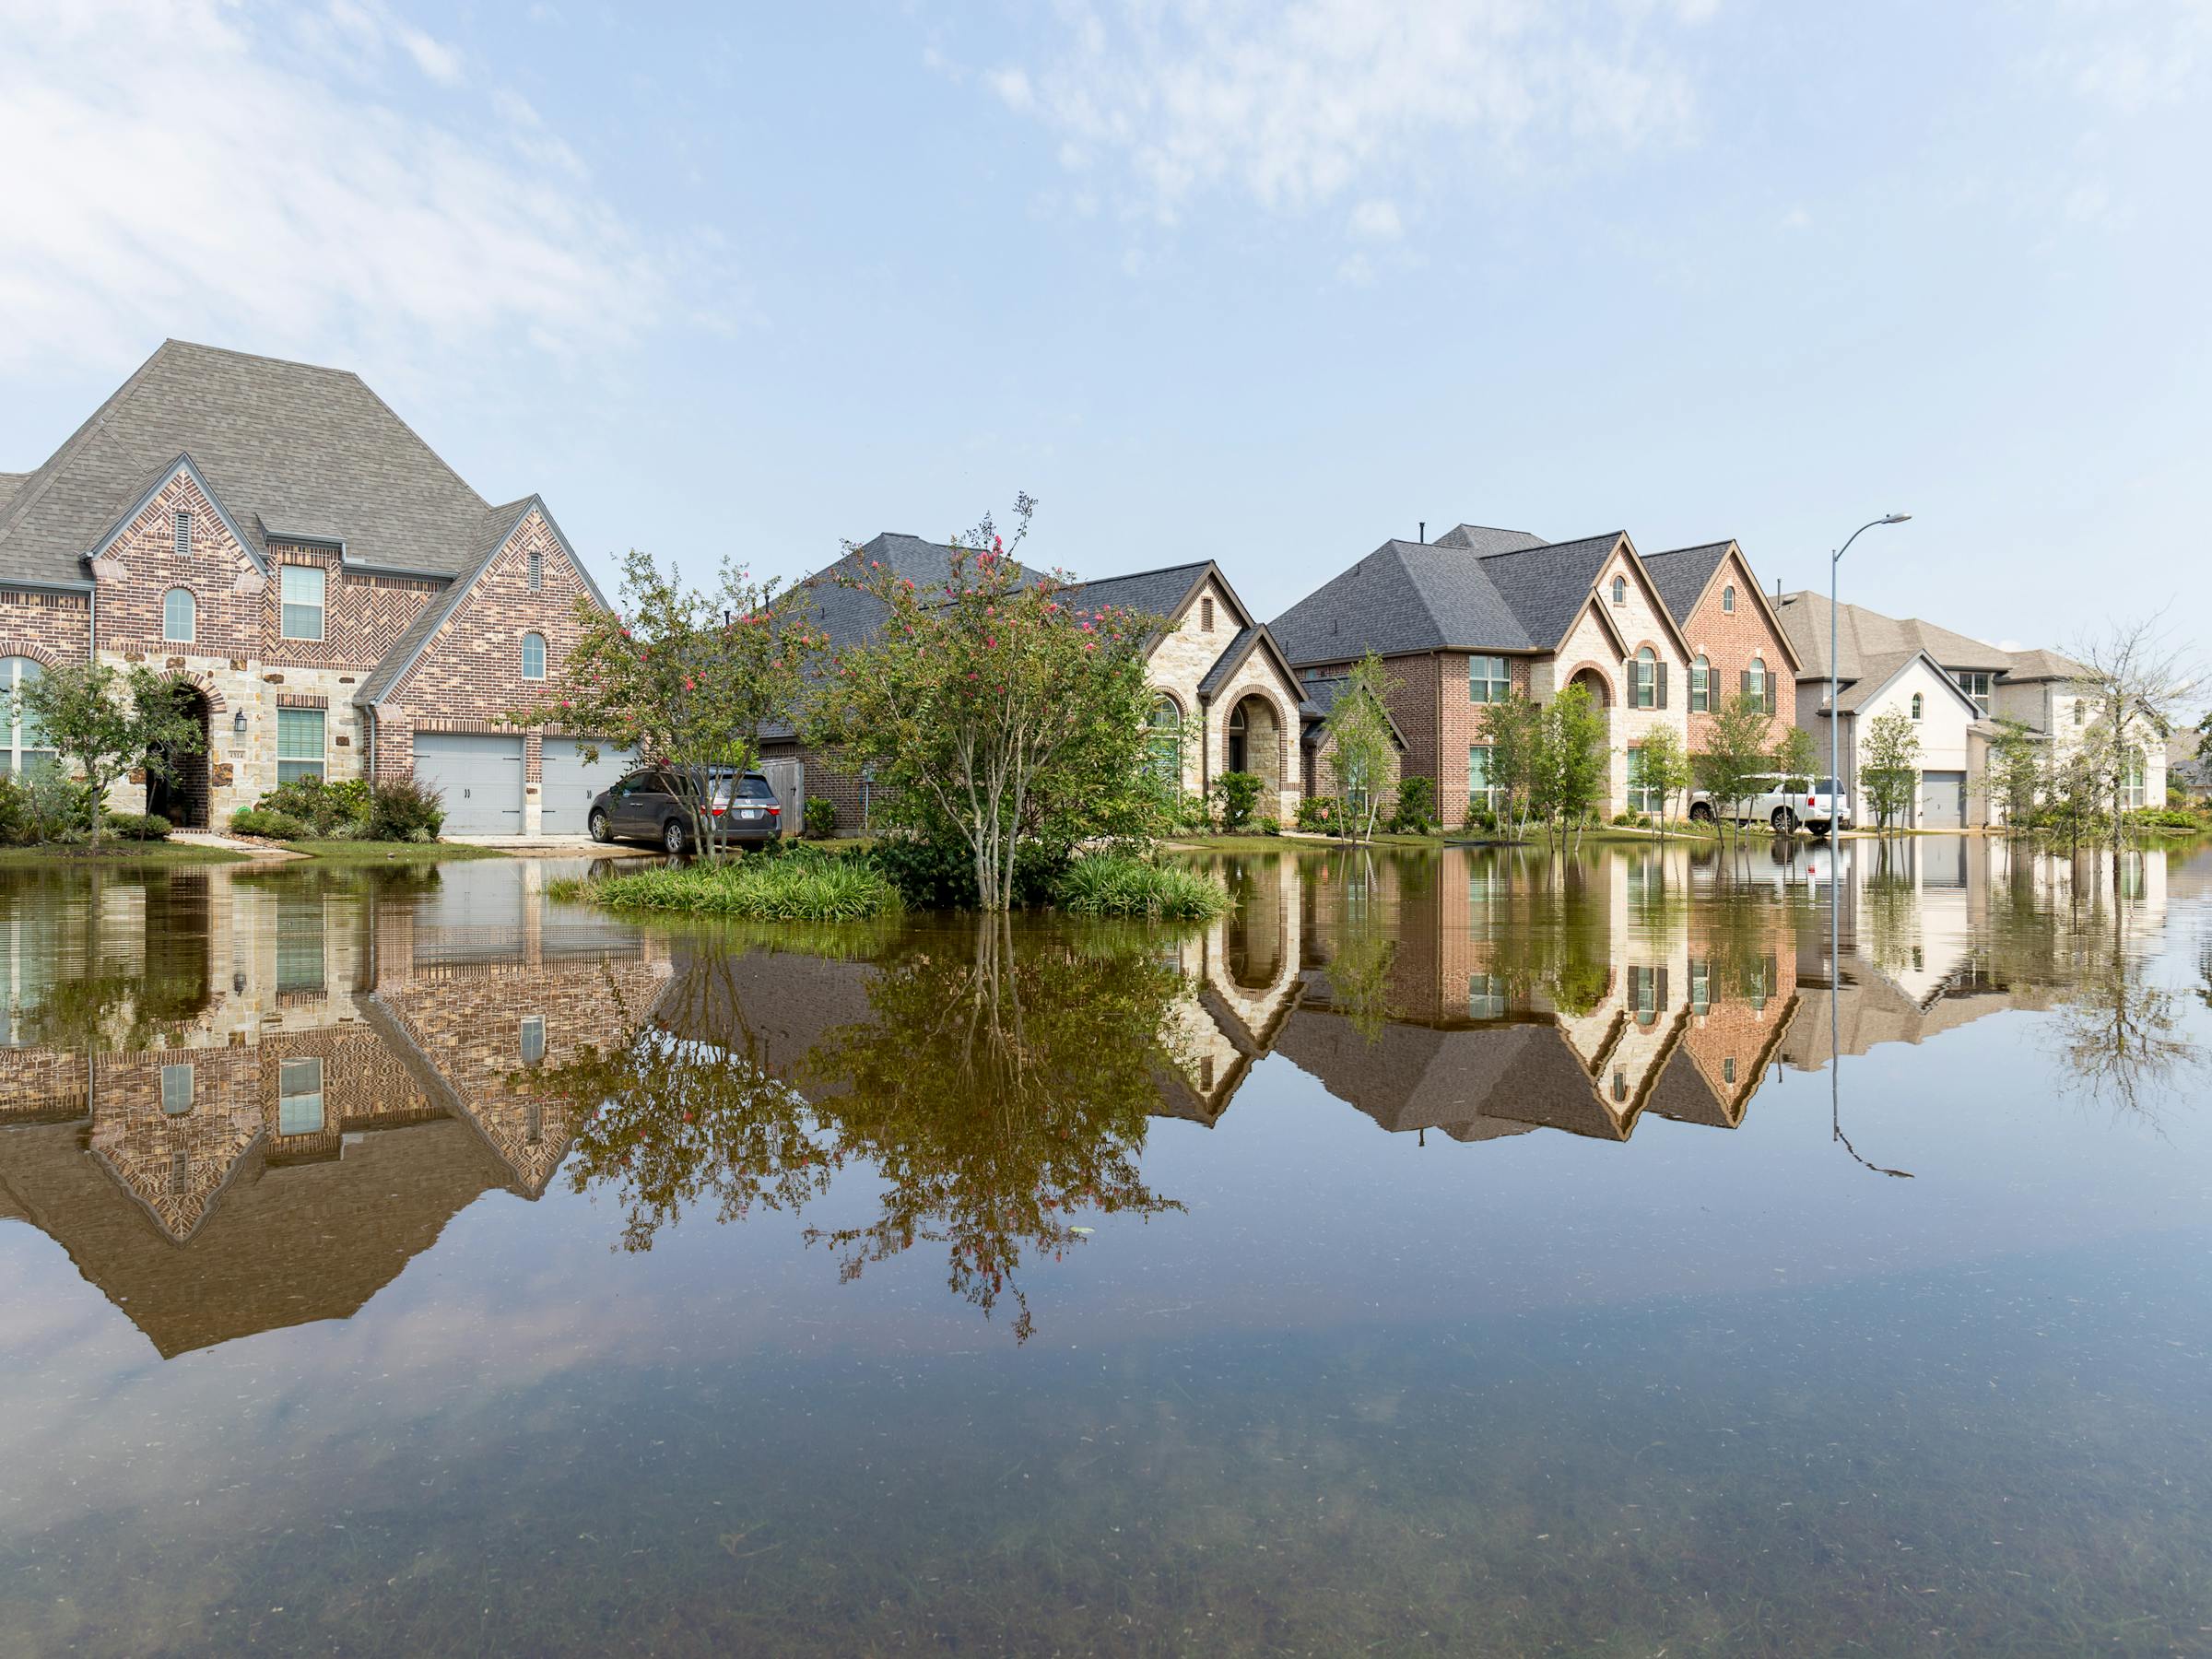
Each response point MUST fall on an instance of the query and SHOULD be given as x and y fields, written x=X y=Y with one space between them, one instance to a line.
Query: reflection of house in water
x=294 y=1084
x=1941 y=931
x=1244 y=974
x=1519 y=993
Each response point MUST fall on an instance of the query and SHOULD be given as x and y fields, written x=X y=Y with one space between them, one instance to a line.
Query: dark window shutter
x=1746 y=678
x=1663 y=990
x=1770 y=693
x=1662 y=686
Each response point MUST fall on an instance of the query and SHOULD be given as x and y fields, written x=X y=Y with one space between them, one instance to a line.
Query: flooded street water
x=1470 y=1252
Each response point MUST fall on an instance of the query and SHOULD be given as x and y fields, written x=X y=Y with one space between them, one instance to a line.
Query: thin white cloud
x=1295 y=104
x=1796 y=218
x=1377 y=220
x=296 y=200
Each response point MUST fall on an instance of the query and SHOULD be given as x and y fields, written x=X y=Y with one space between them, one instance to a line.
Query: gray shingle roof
x=1145 y=593
x=1488 y=538
x=9 y=484
x=281 y=443
x=1320 y=700
x=1862 y=635
x=1239 y=647
x=1680 y=575
x=1410 y=597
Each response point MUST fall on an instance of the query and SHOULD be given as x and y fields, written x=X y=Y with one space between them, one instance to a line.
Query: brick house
x=1225 y=697
x=334 y=598
x=1480 y=612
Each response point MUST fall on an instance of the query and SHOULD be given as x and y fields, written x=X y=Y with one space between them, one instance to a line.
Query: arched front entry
x=181 y=797
x=1252 y=742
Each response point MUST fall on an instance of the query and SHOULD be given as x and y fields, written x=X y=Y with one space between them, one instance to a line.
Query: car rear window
x=757 y=789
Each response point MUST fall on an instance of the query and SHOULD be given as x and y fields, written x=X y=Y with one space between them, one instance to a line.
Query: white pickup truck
x=1778 y=801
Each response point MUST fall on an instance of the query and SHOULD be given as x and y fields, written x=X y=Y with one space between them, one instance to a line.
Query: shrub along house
x=331 y=599
x=1224 y=699
x=1480 y=612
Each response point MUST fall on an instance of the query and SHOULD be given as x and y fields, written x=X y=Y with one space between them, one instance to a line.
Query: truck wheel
x=1785 y=822
x=1819 y=830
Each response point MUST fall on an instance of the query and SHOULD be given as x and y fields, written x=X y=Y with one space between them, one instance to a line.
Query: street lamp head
x=1895 y=518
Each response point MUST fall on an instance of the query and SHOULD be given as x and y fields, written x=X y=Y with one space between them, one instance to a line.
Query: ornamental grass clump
x=761 y=889
x=1115 y=884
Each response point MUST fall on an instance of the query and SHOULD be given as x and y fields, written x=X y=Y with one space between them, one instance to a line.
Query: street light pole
x=1835 y=830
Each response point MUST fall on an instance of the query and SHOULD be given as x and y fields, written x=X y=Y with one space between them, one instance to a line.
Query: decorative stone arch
x=27 y=648
x=201 y=683
x=1275 y=778
x=1608 y=696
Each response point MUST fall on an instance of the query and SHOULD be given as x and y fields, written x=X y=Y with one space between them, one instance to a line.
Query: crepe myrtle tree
x=1360 y=746
x=998 y=711
x=102 y=722
x=686 y=678
x=1889 y=765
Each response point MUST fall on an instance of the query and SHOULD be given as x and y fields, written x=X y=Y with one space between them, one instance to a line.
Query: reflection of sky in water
x=1706 y=1386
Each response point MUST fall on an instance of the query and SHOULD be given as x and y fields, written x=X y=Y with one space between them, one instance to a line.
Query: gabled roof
x=493 y=527
x=161 y=475
x=2041 y=665
x=1321 y=696
x=1415 y=596
x=1862 y=635
x=1248 y=638
x=284 y=443
x=1160 y=593
x=1879 y=673
x=1685 y=575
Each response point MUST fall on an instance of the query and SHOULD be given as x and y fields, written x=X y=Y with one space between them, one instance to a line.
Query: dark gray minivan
x=651 y=805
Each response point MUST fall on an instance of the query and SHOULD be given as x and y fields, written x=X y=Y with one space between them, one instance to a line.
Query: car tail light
x=775 y=812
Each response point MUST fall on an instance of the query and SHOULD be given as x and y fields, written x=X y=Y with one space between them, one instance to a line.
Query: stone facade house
x=1480 y=612
x=1225 y=697
x=334 y=599
x=1957 y=687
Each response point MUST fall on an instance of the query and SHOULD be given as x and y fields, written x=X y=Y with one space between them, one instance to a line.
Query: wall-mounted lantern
x=238 y=723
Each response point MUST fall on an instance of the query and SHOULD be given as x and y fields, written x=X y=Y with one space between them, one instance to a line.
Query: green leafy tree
x=1889 y=765
x=1415 y=812
x=1738 y=748
x=1360 y=746
x=1239 y=793
x=2136 y=683
x=2015 y=776
x=686 y=679
x=1663 y=768
x=1795 y=759
x=1572 y=761
x=998 y=710
x=1514 y=729
x=101 y=721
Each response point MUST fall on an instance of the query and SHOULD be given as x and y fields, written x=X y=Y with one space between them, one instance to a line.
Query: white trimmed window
x=1163 y=742
x=1480 y=787
x=1643 y=681
x=1620 y=589
x=26 y=749
x=2131 y=780
x=1486 y=996
x=1757 y=686
x=299 y=752
x=181 y=528
x=1976 y=684
x=301 y=593
x=300 y=1095
x=532 y=1039
x=1728 y=600
x=176 y=1089
x=534 y=656
x=1489 y=680
x=1642 y=797
x=1920 y=705
x=1700 y=685
x=180 y=616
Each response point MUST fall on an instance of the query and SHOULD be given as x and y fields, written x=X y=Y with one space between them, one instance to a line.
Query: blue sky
x=1261 y=283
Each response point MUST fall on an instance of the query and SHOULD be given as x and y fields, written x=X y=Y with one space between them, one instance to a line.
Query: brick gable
x=1730 y=639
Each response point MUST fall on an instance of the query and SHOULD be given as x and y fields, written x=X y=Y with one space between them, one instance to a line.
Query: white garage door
x=479 y=774
x=1943 y=800
x=567 y=782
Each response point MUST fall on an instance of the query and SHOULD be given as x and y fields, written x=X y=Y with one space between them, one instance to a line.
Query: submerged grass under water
x=763 y=889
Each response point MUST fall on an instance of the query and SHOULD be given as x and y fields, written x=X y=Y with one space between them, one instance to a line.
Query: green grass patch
x=1115 y=884
x=117 y=853
x=372 y=851
x=757 y=888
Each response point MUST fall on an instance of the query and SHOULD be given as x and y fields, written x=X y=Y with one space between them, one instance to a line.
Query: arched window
x=1700 y=685
x=26 y=748
x=1758 y=684
x=1164 y=726
x=1643 y=685
x=1620 y=589
x=534 y=656
x=1919 y=705
x=1728 y=599
x=180 y=614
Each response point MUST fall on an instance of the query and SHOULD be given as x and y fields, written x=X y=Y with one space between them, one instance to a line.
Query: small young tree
x=1359 y=745
x=2136 y=683
x=1889 y=765
x=1000 y=712
x=1574 y=759
x=1514 y=729
x=1663 y=768
x=1738 y=745
x=686 y=679
x=1795 y=759
x=102 y=722
x=2015 y=775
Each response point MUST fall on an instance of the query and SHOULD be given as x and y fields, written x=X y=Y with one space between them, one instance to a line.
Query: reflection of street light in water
x=1835 y=1023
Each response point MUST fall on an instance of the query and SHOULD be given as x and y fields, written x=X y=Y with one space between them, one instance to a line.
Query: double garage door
x=480 y=775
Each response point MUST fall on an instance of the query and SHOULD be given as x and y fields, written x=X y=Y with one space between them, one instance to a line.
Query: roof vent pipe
x=1424 y=533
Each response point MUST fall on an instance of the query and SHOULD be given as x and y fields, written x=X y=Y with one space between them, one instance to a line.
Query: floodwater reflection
x=620 y=1285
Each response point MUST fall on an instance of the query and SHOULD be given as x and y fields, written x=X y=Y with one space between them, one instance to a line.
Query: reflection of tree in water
x=1000 y=1087
x=2118 y=1035
x=119 y=991
x=1363 y=947
x=1892 y=902
x=998 y=1090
